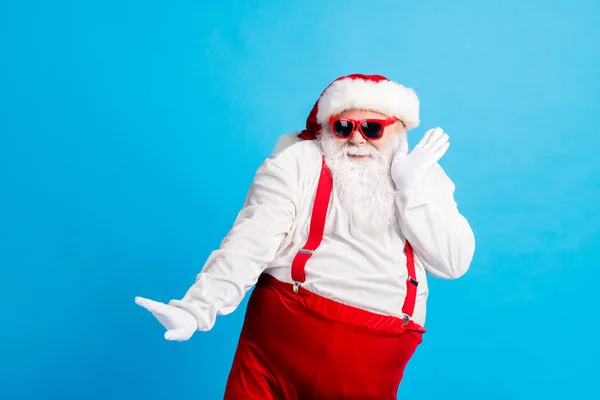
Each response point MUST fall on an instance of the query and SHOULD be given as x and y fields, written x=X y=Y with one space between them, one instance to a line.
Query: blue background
x=130 y=132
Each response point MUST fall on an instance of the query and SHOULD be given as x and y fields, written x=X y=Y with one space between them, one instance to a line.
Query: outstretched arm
x=232 y=269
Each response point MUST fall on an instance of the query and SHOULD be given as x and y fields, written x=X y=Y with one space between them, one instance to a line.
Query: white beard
x=364 y=186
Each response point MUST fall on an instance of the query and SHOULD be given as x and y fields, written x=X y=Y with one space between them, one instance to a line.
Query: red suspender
x=315 y=236
x=317 y=226
x=411 y=282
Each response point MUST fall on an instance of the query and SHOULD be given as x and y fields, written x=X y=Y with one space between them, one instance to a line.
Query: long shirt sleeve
x=430 y=220
x=263 y=222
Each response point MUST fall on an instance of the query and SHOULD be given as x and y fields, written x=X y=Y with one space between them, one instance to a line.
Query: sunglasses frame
x=358 y=123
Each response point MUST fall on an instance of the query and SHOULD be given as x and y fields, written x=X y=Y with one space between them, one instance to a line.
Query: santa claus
x=338 y=232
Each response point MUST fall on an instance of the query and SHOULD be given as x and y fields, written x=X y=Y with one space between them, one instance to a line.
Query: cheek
x=340 y=142
x=381 y=143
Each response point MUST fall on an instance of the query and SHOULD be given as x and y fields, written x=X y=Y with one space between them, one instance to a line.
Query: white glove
x=409 y=169
x=181 y=324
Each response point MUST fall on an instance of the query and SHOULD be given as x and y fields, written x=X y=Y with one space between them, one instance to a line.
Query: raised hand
x=408 y=169
x=180 y=324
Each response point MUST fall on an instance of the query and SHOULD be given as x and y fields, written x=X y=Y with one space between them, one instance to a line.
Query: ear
x=286 y=141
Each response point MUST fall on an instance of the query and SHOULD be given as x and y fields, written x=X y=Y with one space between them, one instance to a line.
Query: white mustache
x=354 y=150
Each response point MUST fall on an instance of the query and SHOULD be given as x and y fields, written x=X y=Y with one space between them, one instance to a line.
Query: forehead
x=362 y=114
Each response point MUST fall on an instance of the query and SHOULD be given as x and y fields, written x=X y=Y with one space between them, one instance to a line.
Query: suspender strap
x=315 y=236
x=317 y=225
x=411 y=282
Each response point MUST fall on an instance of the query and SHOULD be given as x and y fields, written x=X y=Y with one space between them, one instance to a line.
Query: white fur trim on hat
x=386 y=97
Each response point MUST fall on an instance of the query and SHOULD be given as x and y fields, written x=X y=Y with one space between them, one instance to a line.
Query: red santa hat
x=363 y=92
x=358 y=91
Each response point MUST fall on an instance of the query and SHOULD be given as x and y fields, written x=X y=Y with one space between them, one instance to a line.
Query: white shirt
x=362 y=269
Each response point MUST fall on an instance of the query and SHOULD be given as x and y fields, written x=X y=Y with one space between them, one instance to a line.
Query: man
x=339 y=228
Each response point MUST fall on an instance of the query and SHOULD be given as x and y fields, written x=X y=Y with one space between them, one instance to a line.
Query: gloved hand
x=409 y=169
x=180 y=324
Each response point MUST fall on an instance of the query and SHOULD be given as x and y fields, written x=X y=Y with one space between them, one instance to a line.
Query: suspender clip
x=406 y=319
x=296 y=287
x=305 y=251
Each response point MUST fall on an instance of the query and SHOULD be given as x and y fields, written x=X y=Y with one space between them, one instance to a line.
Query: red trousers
x=304 y=346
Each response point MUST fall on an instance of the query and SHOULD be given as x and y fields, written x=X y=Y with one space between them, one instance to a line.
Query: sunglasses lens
x=343 y=128
x=372 y=130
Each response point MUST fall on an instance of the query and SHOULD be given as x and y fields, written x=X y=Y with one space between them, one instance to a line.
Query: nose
x=357 y=138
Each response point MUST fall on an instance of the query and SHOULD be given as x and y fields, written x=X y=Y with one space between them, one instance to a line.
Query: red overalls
x=295 y=344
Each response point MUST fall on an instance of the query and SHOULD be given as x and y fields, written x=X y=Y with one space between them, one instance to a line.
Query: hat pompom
x=286 y=141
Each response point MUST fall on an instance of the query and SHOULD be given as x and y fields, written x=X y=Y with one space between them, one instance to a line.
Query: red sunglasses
x=370 y=129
